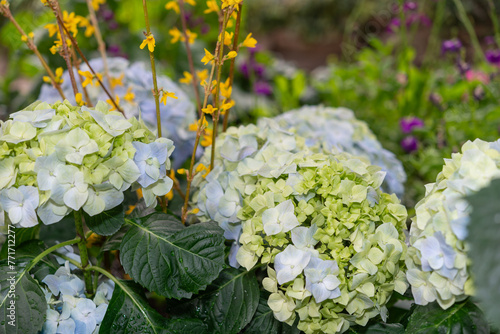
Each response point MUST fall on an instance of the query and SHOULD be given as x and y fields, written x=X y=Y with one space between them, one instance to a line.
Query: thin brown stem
x=77 y=48
x=76 y=64
x=156 y=93
x=190 y=174
x=32 y=46
x=54 y=4
x=190 y=58
x=100 y=43
x=220 y=62
x=231 y=68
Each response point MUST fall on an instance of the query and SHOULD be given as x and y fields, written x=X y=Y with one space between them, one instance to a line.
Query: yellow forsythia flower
x=165 y=95
x=209 y=109
x=212 y=7
x=173 y=5
x=232 y=55
x=150 y=42
x=117 y=99
x=249 y=41
x=207 y=58
x=129 y=96
x=188 y=78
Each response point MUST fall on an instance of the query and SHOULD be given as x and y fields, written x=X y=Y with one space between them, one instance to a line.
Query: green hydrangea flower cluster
x=56 y=158
x=437 y=257
x=333 y=242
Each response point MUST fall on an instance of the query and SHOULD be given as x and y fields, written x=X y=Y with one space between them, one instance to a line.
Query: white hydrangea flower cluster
x=132 y=84
x=333 y=242
x=437 y=257
x=58 y=158
x=338 y=128
x=69 y=310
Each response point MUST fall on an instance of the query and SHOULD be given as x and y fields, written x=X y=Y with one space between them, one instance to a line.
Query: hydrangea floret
x=338 y=128
x=438 y=268
x=79 y=158
x=69 y=311
x=132 y=84
x=332 y=240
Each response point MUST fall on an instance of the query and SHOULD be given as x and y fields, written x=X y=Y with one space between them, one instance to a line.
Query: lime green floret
x=333 y=242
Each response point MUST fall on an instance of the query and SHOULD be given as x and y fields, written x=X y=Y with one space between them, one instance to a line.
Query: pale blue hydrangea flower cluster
x=241 y=155
x=69 y=311
x=338 y=128
x=333 y=242
x=437 y=260
x=58 y=158
x=176 y=115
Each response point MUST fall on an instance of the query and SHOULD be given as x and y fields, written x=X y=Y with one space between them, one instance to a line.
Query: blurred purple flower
x=244 y=69
x=451 y=45
x=205 y=28
x=394 y=25
x=115 y=51
x=259 y=70
x=407 y=124
x=262 y=88
x=489 y=40
x=410 y=144
x=493 y=57
x=436 y=100
x=107 y=15
x=463 y=67
x=418 y=19
x=410 y=6
x=113 y=25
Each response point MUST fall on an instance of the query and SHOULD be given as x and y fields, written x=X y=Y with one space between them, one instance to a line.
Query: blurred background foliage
x=352 y=53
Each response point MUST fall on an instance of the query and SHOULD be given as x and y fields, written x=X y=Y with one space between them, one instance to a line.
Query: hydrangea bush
x=338 y=128
x=437 y=261
x=333 y=242
x=132 y=84
x=57 y=158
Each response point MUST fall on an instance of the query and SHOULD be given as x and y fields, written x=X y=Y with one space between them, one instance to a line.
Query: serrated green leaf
x=483 y=237
x=230 y=302
x=264 y=322
x=107 y=222
x=22 y=293
x=461 y=318
x=129 y=312
x=187 y=326
x=21 y=235
x=170 y=259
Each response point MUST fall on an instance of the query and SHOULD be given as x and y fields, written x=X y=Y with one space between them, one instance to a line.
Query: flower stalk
x=494 y=20
x=156 y=92
x=77 y=48
x=101 y=45
x=219 y=61
x=462 y=15
x=233 y=61
x=190 y=58
x=54 y=5
x=84 y=255
x=32 y=46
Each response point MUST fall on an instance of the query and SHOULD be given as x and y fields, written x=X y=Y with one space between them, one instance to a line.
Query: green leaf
x=461 y=318
x=107 y=222
x=231 y=301
x=21 y=235
x=264 y=322
x=129 y=312
x=187 y=326
x=382 y=328
x=114 y=242
x=483 y=237
x=170 y=259
x=21 y=292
